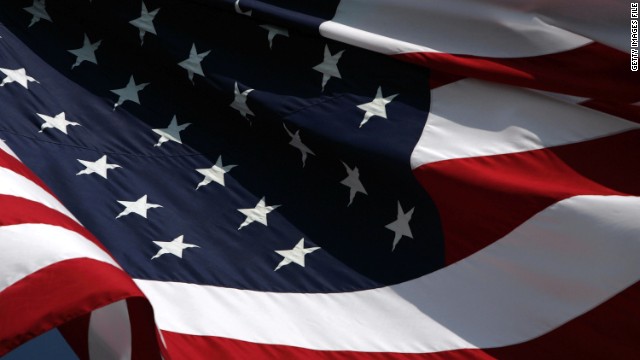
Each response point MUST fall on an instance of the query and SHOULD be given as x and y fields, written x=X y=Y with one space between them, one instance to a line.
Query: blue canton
x=209 y=115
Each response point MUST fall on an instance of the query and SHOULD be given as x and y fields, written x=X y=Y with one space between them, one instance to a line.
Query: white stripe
x=603 y=21
x=494 y=29
x=27 y=248
x=558 y=265
x=562 y=97
x=110 y=332
x=468 y=118
x=17 y=185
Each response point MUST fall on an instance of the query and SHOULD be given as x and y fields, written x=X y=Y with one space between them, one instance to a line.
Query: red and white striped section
x=508 y=163
x=540 y=212
x=556 y=46
x=519 y=288
x=55 y=271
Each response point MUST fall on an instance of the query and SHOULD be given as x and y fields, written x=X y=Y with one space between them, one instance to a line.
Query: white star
x=59 y=122
x=38 y=11
x=173 y=247
x=329 y=66
x=192 y=64
x=139 y=207
x=352 y=181
x=99 y=167
x=295 y=255
x=86 y=52
x=240 y=101
x=129 y=92
x=172 y=132
x=258 y=213
x=377 y=106
x=214 y=173
x=273 y=31
x=145 y=22
x=239 y=11
x=401 y=225
x=296 y=142
x=18 y=75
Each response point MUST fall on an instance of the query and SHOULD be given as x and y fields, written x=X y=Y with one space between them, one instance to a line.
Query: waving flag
x=548 y=45
x=319 y=179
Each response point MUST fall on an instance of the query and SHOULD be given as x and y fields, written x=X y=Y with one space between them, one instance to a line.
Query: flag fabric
x=320 y=179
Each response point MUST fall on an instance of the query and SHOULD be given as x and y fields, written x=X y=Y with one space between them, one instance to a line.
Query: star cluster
x=249 y=146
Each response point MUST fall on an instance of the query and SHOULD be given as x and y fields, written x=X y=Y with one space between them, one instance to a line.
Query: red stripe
x=482 y=199
x=610 y=331
x=625 y=111
x=144 y=346
x=193 y=347
x=17 y=210
x=76 y=333
x=439 y=78
x=59 y=293
x=592 y=71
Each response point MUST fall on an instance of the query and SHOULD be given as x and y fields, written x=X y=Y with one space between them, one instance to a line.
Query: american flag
x=320 y=180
